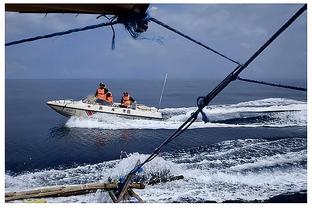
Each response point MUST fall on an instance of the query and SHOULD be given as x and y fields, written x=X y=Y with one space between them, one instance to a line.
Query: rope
x=272 y=84
x=135 y=24
x=204 y=101
x=191 y=39
x=200 y=103
x=90 y=27
x=111 y=19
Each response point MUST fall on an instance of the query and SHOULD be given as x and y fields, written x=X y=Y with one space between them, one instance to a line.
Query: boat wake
x=271 y=112
x=243 y=170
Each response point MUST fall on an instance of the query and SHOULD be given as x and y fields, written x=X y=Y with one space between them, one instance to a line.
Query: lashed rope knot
x=201 y=103
x=135 y=24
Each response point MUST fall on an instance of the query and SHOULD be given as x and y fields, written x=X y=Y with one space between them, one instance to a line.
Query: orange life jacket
x=101 y=94
x=126 y=100
x=110 y=99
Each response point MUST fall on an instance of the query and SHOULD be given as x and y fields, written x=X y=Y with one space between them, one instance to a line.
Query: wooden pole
x=135 y=195
x=70 y=190
x=125 y=187
x=112 y=196
x=66 y=190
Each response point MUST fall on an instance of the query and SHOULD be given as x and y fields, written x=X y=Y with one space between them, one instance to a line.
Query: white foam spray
x=281 y=113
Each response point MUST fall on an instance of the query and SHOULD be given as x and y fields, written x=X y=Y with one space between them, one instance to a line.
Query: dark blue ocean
x=254 y=146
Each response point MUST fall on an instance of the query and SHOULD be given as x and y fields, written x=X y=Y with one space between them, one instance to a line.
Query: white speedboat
x=87 y=107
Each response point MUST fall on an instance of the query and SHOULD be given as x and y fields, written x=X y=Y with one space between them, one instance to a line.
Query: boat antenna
x=162 y=91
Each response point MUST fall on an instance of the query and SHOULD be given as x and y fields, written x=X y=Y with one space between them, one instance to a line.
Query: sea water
x=254 y=146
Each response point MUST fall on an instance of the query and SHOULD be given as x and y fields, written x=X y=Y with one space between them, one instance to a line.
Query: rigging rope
x=90 y=27
x=112 y=27
x=272 y=84
x=135 y=24
x=204 y=101
x=191 y=39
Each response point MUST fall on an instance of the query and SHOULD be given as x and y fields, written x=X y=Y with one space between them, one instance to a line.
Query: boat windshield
x=90 y=99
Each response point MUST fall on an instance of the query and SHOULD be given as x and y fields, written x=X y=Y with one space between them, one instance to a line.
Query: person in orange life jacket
x=100 y=94
x=109 y=98
x=126 y=100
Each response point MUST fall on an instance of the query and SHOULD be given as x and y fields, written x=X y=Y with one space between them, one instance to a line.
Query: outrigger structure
x=111 y=187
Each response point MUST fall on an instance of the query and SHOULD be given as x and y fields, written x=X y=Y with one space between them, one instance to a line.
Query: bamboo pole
x=60 y=191
x=66 y=190
x=112 y=196
x=135 y=195
x=125 y=187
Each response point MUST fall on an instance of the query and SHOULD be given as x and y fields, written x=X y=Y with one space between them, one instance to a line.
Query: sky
x=236 y=30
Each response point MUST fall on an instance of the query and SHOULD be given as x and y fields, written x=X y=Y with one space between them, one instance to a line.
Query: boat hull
x=70 y=108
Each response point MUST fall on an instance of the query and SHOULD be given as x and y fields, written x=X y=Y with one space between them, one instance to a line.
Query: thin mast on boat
x=162 y=91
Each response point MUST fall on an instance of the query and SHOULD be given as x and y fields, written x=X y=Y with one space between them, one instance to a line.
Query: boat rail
x=64 y=101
